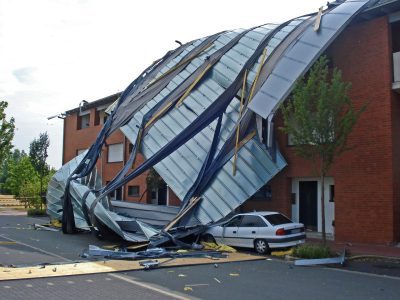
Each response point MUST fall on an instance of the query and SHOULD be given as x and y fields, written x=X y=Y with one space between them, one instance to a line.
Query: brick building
x=363 y=187
x=81 y=127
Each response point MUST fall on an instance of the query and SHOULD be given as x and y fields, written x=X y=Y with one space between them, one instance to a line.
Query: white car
x=259 y=230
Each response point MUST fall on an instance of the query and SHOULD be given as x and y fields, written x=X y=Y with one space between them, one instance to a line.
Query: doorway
x=308 y=202
x=159 y=196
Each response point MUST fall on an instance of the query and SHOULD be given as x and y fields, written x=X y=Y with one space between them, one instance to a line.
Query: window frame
x=134 y=186
x=121 y=155
x=80 y=120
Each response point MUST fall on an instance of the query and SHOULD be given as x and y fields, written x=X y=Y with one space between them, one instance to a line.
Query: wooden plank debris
x=110 y=266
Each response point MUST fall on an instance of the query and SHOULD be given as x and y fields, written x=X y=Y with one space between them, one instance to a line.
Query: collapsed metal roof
x=195 y=115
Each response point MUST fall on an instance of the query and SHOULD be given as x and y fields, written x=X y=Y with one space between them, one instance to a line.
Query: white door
x=329 y=202
x=230 y=231
x=247 y=232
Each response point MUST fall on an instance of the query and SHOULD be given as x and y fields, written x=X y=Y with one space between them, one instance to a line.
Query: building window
x=315 y=139
x=100 y=117
x=115 y=195
x=396 y=52
x=83 y=121
x=133 y=191
x=331 y=193
x=115 y=153
x=130 y=148
x=265 y=193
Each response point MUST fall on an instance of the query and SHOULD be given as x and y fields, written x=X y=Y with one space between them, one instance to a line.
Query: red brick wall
x=396 y=156
x=367 y=178
x=396 y=163
x=364 y=176
x=173 y=199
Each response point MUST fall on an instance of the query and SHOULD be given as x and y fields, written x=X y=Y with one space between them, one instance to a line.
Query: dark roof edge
x=106 y=100
x=380 y=8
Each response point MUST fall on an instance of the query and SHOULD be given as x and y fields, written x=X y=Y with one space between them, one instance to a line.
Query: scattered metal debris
x=96 y=252
x=45 y=227
x=322 y=261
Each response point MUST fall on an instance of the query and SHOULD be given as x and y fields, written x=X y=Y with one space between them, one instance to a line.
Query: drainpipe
x=63 y=149
x=123 y=164
x=167 y=195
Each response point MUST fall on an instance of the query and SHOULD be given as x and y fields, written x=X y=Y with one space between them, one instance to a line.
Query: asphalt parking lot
x=267 y=278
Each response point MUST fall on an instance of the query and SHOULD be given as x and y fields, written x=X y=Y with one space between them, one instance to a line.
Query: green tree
x=14 y=158
x=20 y=173
x=6 y=132
x=38 y=155
x=30 y=190
x=318 y=119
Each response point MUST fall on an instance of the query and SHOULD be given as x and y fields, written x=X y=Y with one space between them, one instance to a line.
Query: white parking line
x=35 y=248
x=149 y=287
x=143 y=285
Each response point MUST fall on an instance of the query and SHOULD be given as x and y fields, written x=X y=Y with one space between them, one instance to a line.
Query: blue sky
x=55 y=53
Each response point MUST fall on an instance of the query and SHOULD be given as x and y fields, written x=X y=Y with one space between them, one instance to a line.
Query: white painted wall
x=329 y=206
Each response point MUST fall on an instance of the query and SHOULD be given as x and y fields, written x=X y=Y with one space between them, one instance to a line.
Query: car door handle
x=253 y=232
x=234 y=231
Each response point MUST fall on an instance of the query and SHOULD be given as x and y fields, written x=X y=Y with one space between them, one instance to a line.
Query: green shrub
x=312 y=251
x=37 y=212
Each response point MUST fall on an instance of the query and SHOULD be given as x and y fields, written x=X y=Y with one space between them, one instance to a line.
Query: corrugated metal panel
x=300 y=55
x=156 y=215
x=78 y=188
x=180 y=169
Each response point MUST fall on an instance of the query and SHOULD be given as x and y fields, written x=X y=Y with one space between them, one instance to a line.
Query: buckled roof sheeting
x=179 y=170
x=300 y=55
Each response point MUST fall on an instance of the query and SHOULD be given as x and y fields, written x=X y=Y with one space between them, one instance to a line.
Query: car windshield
x=277 y=219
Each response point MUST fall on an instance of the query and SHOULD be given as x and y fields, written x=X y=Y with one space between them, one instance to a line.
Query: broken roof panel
x=179 y=170
x=300 y=55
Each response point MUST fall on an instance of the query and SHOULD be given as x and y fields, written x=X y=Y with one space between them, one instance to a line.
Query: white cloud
x=25 y=75
x=69 y=50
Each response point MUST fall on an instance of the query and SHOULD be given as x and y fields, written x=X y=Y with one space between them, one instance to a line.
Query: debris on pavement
x=45 y=227
x=107 y=266
x=218 y=247
x=96 y=252
x=217 y=280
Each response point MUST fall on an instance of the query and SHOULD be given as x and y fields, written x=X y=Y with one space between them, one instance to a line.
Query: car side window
x=252 y=221
x=234 y=222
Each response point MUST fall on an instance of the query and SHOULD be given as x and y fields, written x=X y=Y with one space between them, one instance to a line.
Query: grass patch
x=312 y=251
x=37 y=212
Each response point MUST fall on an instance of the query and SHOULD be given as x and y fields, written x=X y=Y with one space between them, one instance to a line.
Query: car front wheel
x=261 y=246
